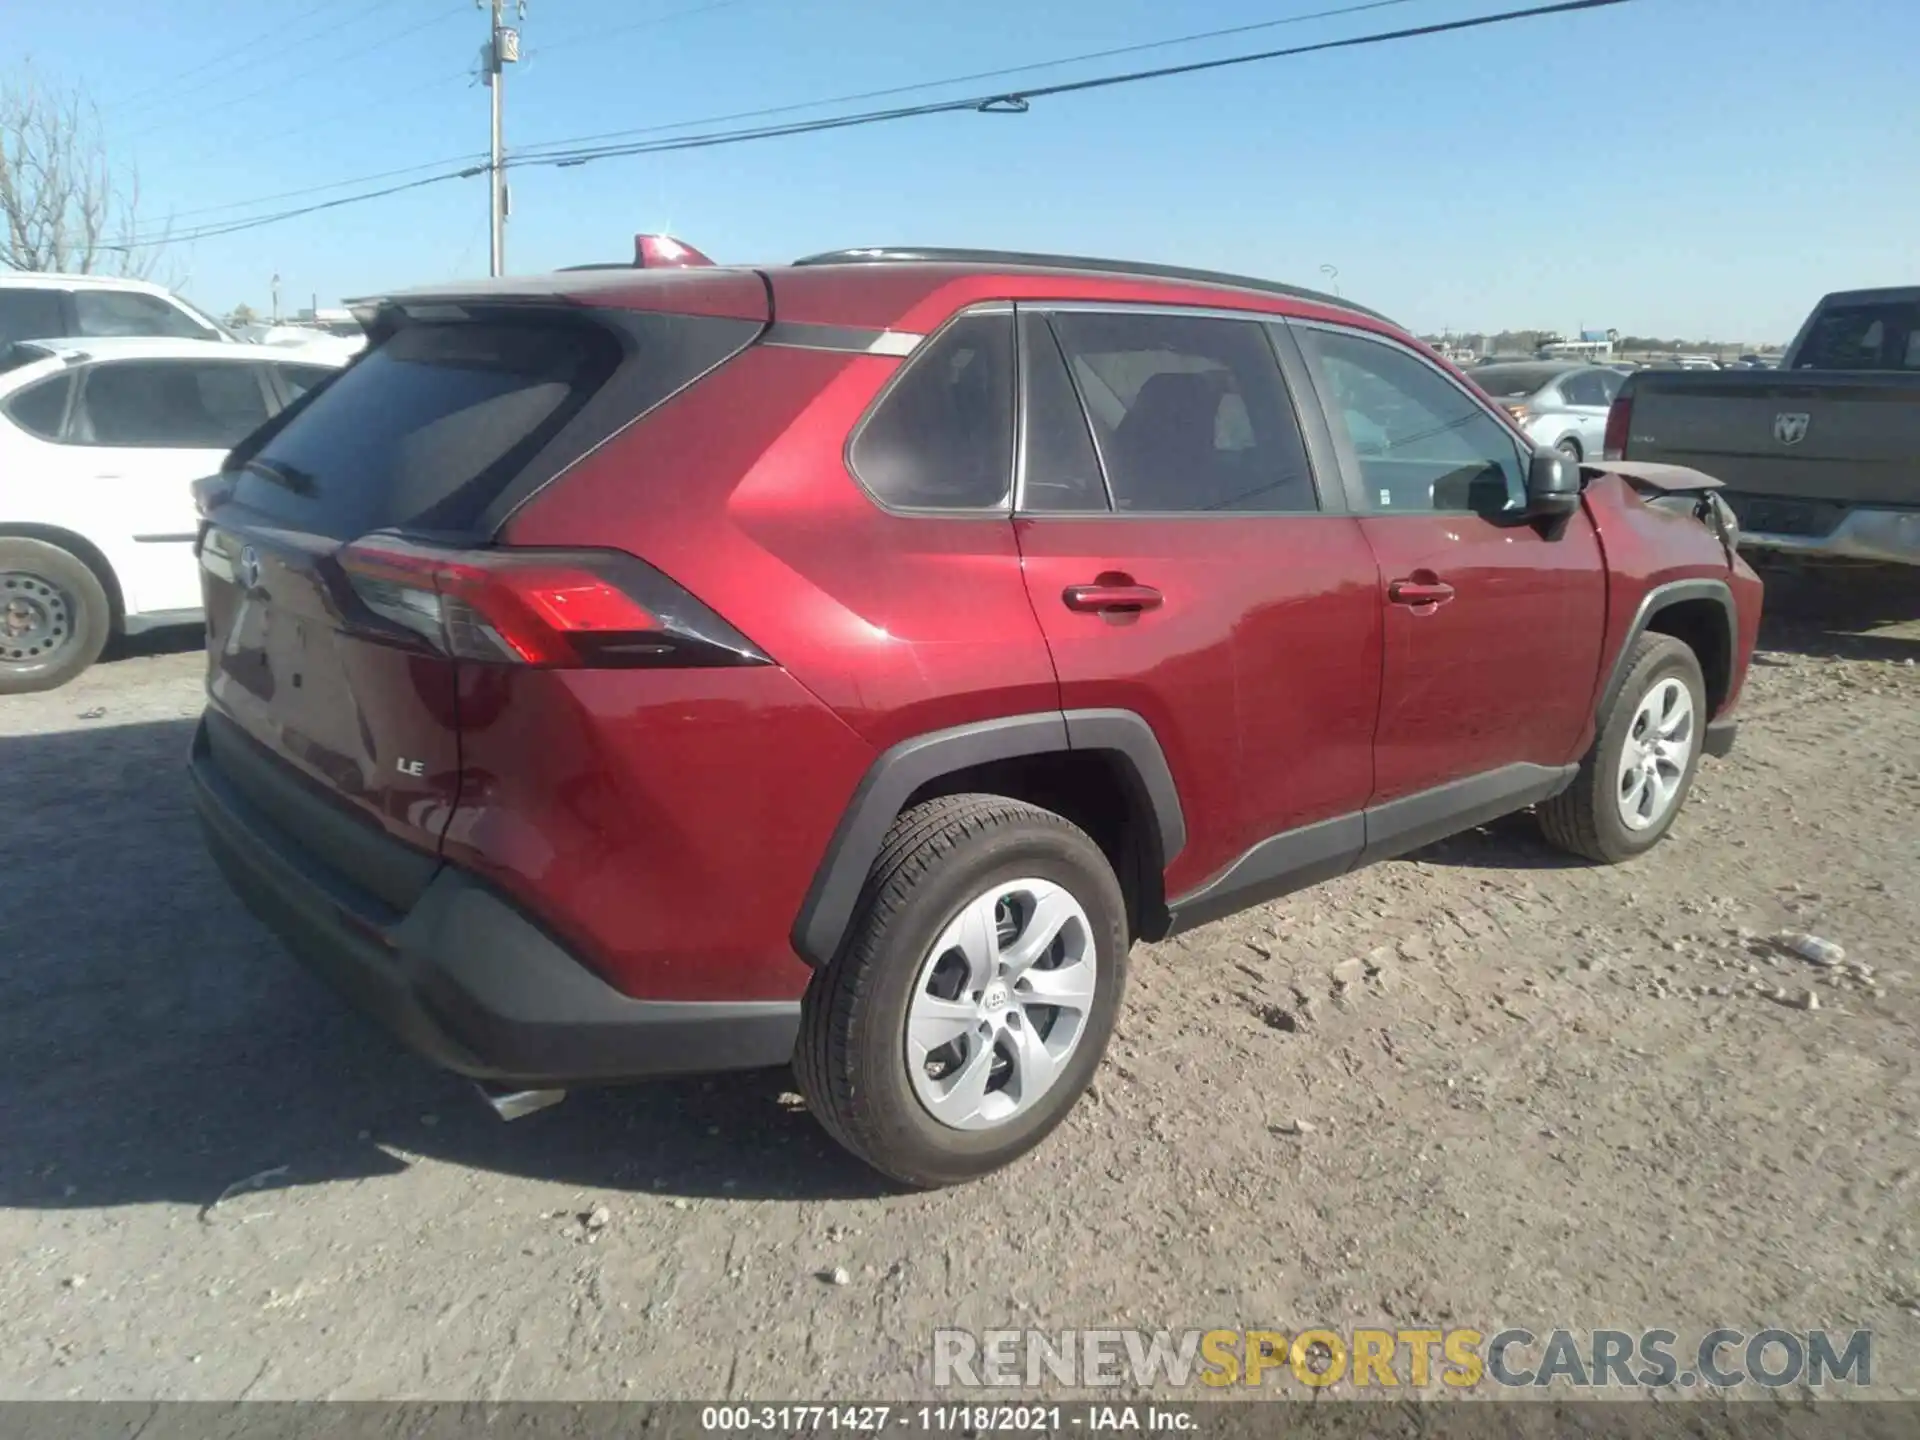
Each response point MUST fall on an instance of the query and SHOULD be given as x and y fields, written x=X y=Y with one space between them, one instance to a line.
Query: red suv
x=641 y=671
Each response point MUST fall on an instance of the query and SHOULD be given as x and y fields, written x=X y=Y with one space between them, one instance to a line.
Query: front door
x=1493 y=623
x=147 y=430
x=1184 y=567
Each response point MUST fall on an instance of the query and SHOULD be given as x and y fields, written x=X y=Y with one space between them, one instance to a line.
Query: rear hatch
x=343 y=543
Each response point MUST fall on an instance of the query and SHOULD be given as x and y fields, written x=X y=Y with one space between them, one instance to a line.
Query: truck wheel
x=974 y=995
x=1634 y=780
x=54 y=616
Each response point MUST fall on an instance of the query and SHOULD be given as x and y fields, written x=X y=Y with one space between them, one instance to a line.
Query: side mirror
x=1553 y=484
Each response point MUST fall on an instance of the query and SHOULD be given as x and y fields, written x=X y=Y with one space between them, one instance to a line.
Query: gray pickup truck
x=1821 y=456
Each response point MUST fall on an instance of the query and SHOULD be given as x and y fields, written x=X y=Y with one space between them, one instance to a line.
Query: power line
x=208 y=232
x=647 y=24
x=143 y=99
x=307 y=129
x=200 y=112
x=1017 y=102
x=538 y=147
x=1004 y=102
x=1195 y=38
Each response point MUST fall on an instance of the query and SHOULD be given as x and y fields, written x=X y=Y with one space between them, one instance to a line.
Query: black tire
x=54 y=616
x=1570 y=448
x=851 y=1058
x=1585 y=819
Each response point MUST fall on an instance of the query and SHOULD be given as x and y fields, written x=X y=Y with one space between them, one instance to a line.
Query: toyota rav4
x=638 y=671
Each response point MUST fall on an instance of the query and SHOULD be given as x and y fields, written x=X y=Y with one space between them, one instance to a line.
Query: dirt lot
x=1538 y=1094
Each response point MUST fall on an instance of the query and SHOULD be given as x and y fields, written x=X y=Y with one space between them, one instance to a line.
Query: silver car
x=1560 y=406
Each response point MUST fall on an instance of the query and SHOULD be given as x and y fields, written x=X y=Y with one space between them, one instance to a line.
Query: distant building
x=1593 y=346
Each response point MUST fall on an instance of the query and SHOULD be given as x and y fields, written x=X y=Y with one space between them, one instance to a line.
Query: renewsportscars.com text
x=1380 y=1359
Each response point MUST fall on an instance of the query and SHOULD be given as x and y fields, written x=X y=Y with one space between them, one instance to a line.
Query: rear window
x=1882 y=336
x=430 y=428
x=941 y=437
x=30 y=315
x=1515 y=382
x=41 y=408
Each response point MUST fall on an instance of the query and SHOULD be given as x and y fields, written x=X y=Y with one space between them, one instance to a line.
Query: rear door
x=1493 y=623
x=1186 y=566
x=457 y=411
x=145 y=431
x=1588 y=393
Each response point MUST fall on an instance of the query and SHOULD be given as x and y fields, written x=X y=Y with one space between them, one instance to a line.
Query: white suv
x=46 y=306
x=100 y=443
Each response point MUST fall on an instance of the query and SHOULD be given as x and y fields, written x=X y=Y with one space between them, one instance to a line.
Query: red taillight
x=553 y=609
x=1619 y=422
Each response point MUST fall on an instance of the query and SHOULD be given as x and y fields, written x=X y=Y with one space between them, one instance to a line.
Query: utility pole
x=502 y=49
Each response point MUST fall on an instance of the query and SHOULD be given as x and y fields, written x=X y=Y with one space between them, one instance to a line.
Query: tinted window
x=1421 y=442
x=1882 y=336
x=1190 y=414
x=30 y=315
x=1062 y=472
x=301 y=378
x=172 y=404
x=40 y=409
x=1588 y=387
x=126 y=312
x=1515 y=382
x=942 y=436
x=431 y=426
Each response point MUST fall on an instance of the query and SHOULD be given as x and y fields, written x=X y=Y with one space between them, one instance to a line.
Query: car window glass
x=1873 y=336
x=301 y=378
x=128 y=312
x=1062 y=472
x=30 y=315
x=1584 y=388
x=1421 y=442
x=1189 y=413
x=41 y=408
x=175 y=404
x=941 y=437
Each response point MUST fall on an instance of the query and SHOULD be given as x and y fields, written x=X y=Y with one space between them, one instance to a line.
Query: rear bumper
x=1891 y=536
x=464 y=977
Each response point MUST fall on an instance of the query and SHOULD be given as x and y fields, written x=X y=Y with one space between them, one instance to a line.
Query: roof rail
x=931 y=254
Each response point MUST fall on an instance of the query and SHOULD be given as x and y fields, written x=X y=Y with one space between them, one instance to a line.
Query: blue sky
x=1677 y=167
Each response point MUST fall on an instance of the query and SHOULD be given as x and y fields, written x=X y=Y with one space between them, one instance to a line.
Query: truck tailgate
x=1849 y=439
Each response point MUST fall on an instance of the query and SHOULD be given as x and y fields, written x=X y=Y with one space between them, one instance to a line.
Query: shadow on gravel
x=172 y=640
x=1833 y=612
x=157 y=1045
x=1513 y=842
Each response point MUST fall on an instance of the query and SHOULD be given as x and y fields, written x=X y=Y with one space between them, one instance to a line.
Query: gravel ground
x=1481 y=1086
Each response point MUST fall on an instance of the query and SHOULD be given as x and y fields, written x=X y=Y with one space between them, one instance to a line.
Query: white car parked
x=100 y=443
x=38 y=305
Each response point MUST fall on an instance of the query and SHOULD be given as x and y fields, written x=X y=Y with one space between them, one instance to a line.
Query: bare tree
x=64 y=204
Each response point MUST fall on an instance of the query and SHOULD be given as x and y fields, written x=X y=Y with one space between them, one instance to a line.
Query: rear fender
x=913 y=764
